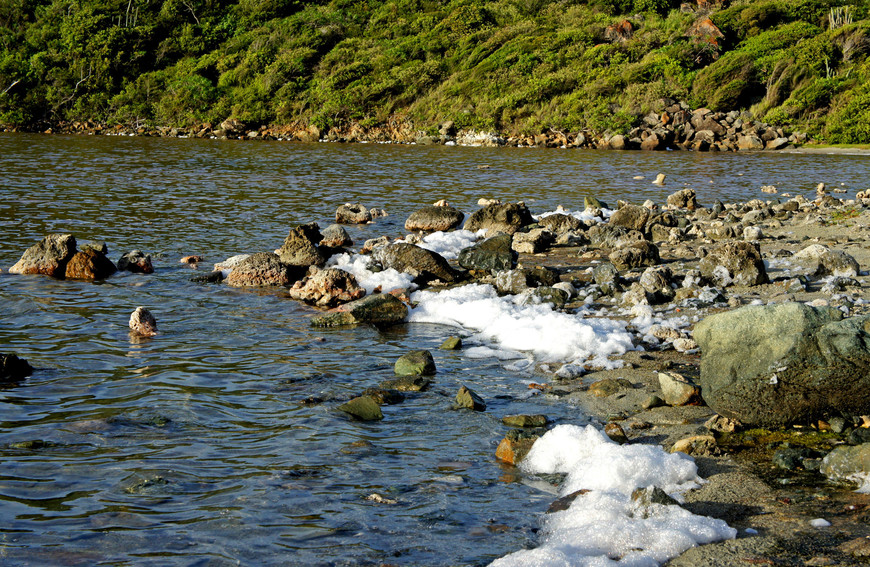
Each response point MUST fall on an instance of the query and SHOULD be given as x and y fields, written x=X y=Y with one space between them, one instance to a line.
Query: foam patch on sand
x=604 y=526
x=551 y=335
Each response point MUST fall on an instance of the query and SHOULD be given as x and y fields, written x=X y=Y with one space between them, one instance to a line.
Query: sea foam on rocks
x=603 y=525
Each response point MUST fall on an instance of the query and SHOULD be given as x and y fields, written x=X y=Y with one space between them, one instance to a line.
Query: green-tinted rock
x=407 y=384
x=593 y=203
x=379 y=309
x=415 y=363
x=846 y=462
x=364 y=408
x=608 y=387
x=452 y=343
x=467 y=398
x=525 y=420
x=384 y=396
x=493 y=254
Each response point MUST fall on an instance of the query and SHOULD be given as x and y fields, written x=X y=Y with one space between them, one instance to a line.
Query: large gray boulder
x=48 y=257
x=506 y=217
x=734 y=263
x=300 y=246
x=434 y=218
x=494 y=254
x=262 y=269
x=424 y=265
x=772 y=365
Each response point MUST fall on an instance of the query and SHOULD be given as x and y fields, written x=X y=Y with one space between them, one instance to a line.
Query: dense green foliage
x=508 y=65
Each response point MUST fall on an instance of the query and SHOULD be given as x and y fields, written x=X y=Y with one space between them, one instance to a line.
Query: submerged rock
x=379 y=309
x=492 y=254
x=416 y=383
x=451 y=343
x=48 y=257
x=507 y=218
x=364 y=408
x=434 y=218
x=327 y=288
x=773 y=365
x=143 y=323
x=136 y=262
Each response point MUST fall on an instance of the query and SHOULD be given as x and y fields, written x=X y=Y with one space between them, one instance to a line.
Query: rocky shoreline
x=778 y=471
x=678 y=127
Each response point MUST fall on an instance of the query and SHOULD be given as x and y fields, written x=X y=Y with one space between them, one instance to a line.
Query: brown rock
x=143 y=323
x=89 y=264
x=48 y=257
x=327 y=288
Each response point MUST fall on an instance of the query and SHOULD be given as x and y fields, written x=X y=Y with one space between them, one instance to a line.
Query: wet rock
x=697 y=446
x=378 y=309
x=492 y=254
x=300 y=246
x=372 y=243
x=590 y=202
x=848 y=463
x=335 y=236
x=230 y=263
x=451 y=343
x=523 y=420
x=384 y=396
x=423 y=265
x=143 y=323
x=632 y=217
x=517 y=444
x=734 y=263
x=677 y=390
x=327 y=288
x=48 y=257
x=467 y=398
x=822 y=261
x=560 y=224
x=262 y=269
x=415 y=383
x=507 y=218
x=137 y=262
x=13 y=369
x=616 y=433
x=434 y=218
x=532 y=242
x=792 y=458
x=89 y=264
x=772 y=365
x=216 y=276
x=608 y=387
x=415 y=363
x=364 y=408
x=352 y=213
x=635 y=255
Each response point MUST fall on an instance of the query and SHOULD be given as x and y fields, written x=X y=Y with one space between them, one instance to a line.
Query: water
x=193 y=448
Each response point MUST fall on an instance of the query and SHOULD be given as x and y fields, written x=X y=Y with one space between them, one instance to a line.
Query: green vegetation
x=506 y=65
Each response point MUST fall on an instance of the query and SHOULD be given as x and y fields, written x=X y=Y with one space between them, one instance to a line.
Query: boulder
x=467 y=398
x=611 y=236
x=261 y=269
x=635 y=255
x=300 y=246
x=749 y=142
x=822 y=261
x=143 y=323
x=632 y=217
x=495 y=254
x=415 y=363
x=560 y=224
x=48 y=257
x=352 y=213
x=335 y=236
x=432 y=218
x=532 y=242
x=777 y=364
x=507 y=218
x=13 y=369
x=89 y=264
x=137 y=262
x=424 y=265
x=327 y=288
x=379 y=309
x=683 y=199
x=734 y=263
x=846 y=463
x=364 y=408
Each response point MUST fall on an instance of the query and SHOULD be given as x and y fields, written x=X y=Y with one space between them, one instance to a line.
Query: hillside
x=513 y=66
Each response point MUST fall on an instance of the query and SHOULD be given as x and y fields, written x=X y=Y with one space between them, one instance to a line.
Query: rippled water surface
x=192 y=448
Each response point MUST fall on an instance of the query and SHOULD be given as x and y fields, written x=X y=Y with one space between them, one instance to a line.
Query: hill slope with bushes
x=515 y=66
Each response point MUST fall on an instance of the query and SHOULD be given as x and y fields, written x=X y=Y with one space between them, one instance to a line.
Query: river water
x=192 y=448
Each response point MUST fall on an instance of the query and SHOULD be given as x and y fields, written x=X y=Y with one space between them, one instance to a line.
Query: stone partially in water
x=524 y=420
x=495 y=254
x=434 y=218
x=48 y=257
x=517 y=444
x=467 y=398
x=407 y=383
x=300 y=246
x=378 y=309
x=364 y=408
x=352 y=213
x=415 y=363
x=507 y=218
x=261 y=269
x=451 y=343
x=327 y=288
x=136 y=262
x=423 y=265
x=143 y=323
x=13 y=369
x=89 y=264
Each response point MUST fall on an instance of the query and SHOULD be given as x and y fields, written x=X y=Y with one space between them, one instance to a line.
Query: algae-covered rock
x=364 y=408
x=467 y=398
x=500 y=217
x=415 y=363
x=494 y=254
x=523 y=420
x=379 y=309
x=451 y=343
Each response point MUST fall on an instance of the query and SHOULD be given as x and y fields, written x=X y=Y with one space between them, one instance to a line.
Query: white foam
x=584 y=215
x=449 y=244
x=551 y=335
x=357 y=265
x=604 y=526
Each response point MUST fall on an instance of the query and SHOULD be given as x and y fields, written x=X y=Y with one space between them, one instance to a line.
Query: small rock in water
x=143 y=323
x=137 y=262
x=191 y=260
x=525 y=420
x=660 y=179
x=378 y=499
x=452 y=343
x=364 y=408
x=467 y=398
x=13 y=368
x=517 y=444
x=415 y=363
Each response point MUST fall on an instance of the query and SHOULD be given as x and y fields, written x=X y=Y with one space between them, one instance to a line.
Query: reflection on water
x=192 y=447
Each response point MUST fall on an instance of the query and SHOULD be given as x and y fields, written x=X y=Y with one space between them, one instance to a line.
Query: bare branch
x=12 y=85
